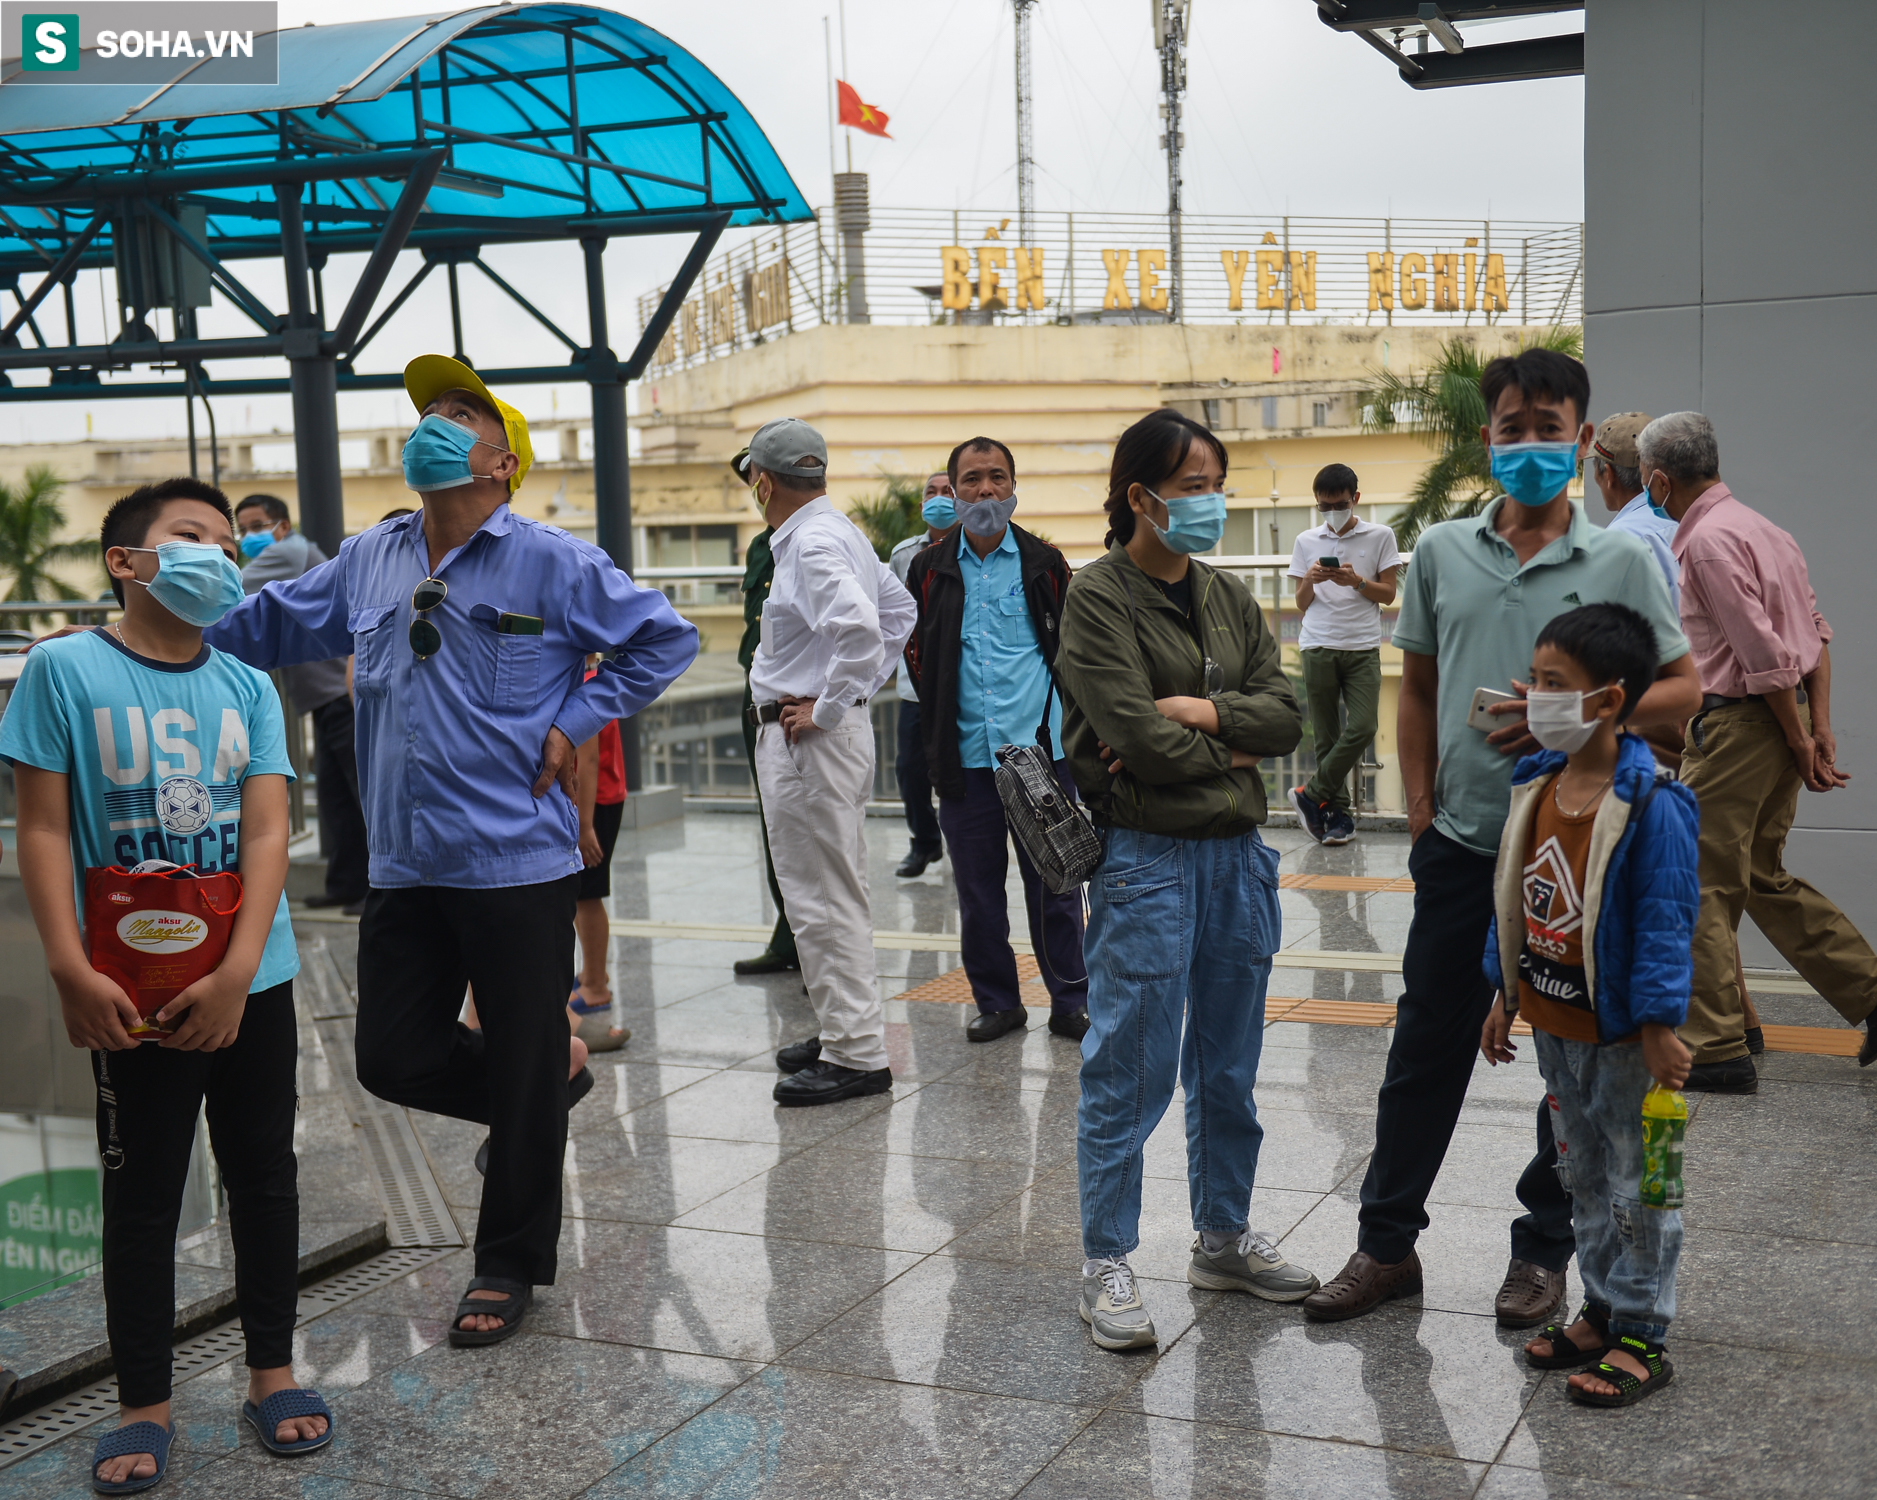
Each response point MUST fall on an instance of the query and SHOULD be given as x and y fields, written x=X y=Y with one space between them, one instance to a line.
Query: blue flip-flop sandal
x=137 y=1437
x=284 y=1406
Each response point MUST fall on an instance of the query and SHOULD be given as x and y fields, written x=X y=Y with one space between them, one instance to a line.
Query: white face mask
x=1556 y=720
x=1336 y=517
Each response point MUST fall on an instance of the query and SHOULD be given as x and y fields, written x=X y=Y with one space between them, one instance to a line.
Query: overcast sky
x=1283 y=116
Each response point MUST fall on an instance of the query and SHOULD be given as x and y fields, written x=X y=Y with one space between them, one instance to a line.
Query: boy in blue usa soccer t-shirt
x=136 y=742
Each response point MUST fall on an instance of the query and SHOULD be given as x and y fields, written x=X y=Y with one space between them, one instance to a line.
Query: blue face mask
x=436 y=457
x=194 y=581
x=1534 y=473
x=1194 y=522
x=254 y=543
x=940 y=512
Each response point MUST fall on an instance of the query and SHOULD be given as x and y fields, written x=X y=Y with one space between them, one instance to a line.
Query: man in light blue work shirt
x=470 y=626
x=990 y=614
x=1618 y=473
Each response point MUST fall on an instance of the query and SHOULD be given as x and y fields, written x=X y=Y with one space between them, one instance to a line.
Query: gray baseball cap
x=789 y=445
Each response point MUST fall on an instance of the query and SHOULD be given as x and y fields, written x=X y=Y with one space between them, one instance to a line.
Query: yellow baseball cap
x=430 y=375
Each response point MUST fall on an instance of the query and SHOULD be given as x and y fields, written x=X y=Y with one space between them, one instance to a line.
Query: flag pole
x=827 y=46
x=850 y=134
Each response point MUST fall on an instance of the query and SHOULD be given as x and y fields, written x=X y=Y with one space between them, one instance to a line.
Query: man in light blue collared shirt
x=1618 y=474
x=470 y=626
x=990 y=612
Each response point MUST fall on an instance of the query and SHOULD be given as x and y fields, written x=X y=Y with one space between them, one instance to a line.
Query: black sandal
x=517 y=1297
x=1566 y=1354
x=1629 y=1388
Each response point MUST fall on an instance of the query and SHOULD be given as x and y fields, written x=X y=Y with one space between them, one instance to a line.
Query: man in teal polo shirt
x=1478 y=592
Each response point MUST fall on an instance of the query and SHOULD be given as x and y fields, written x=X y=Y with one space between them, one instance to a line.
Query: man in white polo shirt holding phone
x=1345 y=572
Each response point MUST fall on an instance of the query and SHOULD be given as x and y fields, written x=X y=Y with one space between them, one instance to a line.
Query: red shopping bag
x=156 y=928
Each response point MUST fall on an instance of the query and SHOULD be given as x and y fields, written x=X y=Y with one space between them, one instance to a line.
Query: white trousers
x=815 y=805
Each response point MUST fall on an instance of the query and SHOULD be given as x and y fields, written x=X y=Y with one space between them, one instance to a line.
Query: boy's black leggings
x=147 y=1103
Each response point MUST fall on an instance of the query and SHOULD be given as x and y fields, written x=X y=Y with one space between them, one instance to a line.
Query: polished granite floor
x=877 y=1299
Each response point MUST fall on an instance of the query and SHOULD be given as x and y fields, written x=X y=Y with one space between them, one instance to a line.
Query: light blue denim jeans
x=1179 y=930
x=1627 y=1254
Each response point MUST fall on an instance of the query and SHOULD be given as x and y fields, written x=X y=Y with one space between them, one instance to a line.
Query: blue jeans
x=1177 y=929
x=1627 y=1254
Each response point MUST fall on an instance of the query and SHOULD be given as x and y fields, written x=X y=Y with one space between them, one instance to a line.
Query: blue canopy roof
x=561 y=121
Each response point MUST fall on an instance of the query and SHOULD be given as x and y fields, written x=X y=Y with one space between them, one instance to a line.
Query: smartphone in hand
x=1481 y=717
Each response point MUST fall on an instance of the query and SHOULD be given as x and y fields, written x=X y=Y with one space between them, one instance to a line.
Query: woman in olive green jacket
x=1172 y=692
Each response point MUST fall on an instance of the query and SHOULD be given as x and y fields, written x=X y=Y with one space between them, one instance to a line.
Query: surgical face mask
x=1335 y=516
x=940 y=511
x=254 y=543
x=194 y=581
x=1194 y=522
x=1556 y=720
x=1534 y=473
x=986 y=517
x=437 y=455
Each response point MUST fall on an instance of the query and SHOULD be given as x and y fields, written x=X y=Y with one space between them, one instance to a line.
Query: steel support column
x=612 y=467
x=315 y=384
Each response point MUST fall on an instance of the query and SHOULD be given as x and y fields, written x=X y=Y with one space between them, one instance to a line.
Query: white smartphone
x=1483 y=699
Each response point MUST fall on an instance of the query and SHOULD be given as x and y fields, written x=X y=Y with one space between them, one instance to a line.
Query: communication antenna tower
x=1173 y=23
x=1026 y=139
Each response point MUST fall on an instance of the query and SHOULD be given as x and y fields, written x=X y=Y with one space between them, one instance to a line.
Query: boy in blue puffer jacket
x=1595 y=898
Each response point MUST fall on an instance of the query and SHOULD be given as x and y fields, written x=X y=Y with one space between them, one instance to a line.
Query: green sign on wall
x=54 y=1231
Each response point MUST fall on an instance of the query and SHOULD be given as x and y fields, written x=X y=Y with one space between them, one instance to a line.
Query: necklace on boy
x=1595 y=796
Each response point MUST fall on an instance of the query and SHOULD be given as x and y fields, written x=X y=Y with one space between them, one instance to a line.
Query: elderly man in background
x=272 y=551
x=1764 y=730
x=938 y=509
x=833 y=627
x=1614 y=465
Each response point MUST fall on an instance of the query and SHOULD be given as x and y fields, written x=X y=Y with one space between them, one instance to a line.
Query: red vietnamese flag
x=861 y=115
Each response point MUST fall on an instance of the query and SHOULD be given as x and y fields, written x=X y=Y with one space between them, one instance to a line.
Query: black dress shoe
x=914 y=864
x=824 y=1082
x=1756 y=1041
x=1735 y=1076
x=989 y=1025
x=1867 y=1054
x=354 y=908
x=1073 y=1024
x=797 y=1055
x=767 y=962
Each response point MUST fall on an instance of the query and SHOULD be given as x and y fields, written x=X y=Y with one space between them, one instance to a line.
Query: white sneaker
x=1251 y=1264
x=1112 y=1307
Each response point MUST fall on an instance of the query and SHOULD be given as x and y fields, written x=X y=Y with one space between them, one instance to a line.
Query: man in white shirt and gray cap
x=833 y=628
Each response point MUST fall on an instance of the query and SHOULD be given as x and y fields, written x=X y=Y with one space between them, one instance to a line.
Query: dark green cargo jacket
x=1124 y=644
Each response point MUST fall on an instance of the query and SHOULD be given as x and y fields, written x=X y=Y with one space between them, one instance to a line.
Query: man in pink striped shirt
x=1764 y=730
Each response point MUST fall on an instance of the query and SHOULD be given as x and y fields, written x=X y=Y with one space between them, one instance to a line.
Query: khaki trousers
x=1739 y=768
x=814 y=804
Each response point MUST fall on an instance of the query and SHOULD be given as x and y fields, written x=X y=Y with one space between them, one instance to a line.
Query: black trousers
x=915 y=783
x=148 y=1099
x=341 y=808
x=417 y=949
x=1443 y=1005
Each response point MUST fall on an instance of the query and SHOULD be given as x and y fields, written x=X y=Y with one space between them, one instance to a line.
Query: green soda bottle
x=1664 y=1124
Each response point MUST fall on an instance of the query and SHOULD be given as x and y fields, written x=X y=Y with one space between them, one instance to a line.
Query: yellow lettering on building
x=1150 y=264
x=1472 y=281
x=1303 y=280
x=1270 y=275
x=1235 y=262
x=991 y=260
x=1117 y=294
x=1381 y=280
x=1495 y=289
x=955 y=294
x=766 y=296
x=1413 y=288
x=1030 y=278
x=689 y=338
x=1446 y=282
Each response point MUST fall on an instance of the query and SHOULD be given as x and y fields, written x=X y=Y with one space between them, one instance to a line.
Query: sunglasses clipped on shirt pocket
x=504 y=670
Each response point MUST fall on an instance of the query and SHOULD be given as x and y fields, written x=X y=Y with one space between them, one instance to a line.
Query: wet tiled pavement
x=878 y=1298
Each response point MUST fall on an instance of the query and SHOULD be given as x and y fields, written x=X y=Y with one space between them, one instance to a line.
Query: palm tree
x=892 y=515
x=30 y=517
x=1443 y=405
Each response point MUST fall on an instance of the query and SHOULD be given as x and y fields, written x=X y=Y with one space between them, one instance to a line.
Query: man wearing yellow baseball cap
x=469 y=628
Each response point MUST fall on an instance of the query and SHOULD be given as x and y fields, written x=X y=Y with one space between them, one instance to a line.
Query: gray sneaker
x=1111 y=1306
x=1250 y=1264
